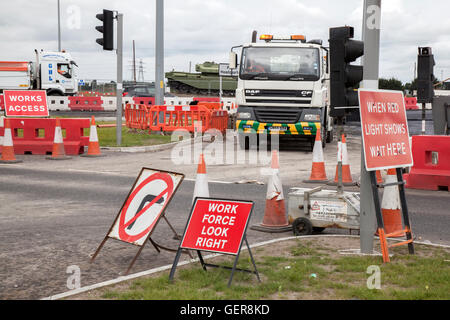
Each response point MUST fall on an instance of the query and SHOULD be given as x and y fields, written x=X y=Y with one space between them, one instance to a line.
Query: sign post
x=386 y=145
x=143 y=208
x=217 y=225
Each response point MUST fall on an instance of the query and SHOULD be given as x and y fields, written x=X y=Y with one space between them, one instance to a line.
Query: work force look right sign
x=384 y=129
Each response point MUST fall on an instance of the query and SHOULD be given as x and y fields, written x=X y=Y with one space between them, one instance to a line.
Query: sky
x=197 y=30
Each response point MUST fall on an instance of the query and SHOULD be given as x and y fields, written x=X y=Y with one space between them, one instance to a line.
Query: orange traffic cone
x=379 y=178
x=343 y=156
x=8 y=146
x=318 y=173
x=275 y=219
x=391 y=207
x=93 y=147
x=58 y=152
x=201 y=188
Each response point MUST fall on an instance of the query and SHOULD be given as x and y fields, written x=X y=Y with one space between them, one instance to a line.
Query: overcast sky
x=205 y=30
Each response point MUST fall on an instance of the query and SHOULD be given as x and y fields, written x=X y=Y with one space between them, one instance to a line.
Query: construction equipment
x=204 y=83
x=54 y=72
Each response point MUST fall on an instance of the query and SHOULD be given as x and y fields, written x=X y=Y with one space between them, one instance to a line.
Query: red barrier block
x=411 y=103
x=36 y=135
x=148 y=101
x=431 y=170
x=86 y=104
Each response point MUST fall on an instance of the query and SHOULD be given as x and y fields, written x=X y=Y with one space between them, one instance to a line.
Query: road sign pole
x=119 y=84
x=159 y=53
x=371 y=38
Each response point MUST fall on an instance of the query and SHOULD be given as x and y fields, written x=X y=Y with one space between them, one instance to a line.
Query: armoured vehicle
x=205 y=82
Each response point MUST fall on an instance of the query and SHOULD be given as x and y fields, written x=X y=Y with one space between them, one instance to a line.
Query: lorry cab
x=57 y=73
x=283 y=88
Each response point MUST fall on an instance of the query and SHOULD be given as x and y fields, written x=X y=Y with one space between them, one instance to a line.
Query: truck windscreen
x=278 y=63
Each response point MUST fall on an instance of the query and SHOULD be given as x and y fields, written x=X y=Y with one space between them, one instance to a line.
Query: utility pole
x=134 y=63
x=371 y=38
x=119 y=84
x=159 y=53
x=59 y=26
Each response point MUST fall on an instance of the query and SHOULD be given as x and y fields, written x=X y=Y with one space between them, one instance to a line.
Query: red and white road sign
x=144 y=205
x=217 y=225
x=25 y=103
x=384 y=129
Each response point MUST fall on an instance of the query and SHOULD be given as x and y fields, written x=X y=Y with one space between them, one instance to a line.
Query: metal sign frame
x=200 y=257
x=161 y=215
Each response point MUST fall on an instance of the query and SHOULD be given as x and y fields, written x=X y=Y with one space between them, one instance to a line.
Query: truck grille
x=278 y=93
x=277 y=115
x=302 y=101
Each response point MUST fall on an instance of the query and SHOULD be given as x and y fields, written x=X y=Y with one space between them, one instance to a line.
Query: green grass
x=130 y=138
x=288 y=275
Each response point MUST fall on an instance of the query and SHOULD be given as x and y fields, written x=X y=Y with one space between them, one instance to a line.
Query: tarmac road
x=50 y=220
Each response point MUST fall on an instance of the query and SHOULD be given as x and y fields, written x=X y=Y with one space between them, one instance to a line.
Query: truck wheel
x=302 y=227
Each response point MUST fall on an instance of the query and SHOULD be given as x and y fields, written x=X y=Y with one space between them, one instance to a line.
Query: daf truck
x=55 y=72
x=283 y=88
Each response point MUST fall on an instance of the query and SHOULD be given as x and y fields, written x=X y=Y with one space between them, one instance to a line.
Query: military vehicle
x=204 y=83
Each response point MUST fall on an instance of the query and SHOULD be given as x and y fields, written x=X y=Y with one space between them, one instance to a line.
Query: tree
x=390 y=84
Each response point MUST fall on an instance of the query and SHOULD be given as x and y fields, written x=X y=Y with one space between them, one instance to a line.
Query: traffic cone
x=391 y=207
x=201 y=181
x=379 y=178
x=58 y=152
x=93 y=146
x=274 y=219
x=343 y=156
x=8 y=146
x=318 y=173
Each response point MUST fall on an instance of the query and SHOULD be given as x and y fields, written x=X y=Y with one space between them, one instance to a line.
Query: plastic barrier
x=171 y=118
x=35 y=135
x=85 y=104
x=207 y=99
x=431 y=169
x=137 y=116
x=58 y=103
x=148 y=101
x=411 y=103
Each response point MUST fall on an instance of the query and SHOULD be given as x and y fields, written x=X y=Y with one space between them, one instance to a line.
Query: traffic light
x=425 y=77
x=107 y=29
x=344 y=76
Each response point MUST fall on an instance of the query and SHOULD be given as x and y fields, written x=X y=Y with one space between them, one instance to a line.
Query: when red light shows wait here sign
x=384 y=129
x=217 y=225
x=30 y=103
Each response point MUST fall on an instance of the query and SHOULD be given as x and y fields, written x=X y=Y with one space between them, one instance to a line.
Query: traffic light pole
x=371 y=38
x=119 y=84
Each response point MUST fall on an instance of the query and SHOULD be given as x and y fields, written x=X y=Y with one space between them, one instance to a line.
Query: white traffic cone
x=201 y=188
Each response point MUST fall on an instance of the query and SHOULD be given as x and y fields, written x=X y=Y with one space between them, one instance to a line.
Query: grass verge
x=299 y=269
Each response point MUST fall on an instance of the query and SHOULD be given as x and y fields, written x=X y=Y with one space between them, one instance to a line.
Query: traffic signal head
x=425 y=77
x=344 y=76
x=107 y=42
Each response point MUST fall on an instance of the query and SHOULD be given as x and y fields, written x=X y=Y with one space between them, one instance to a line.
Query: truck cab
x=282 y=89
x=57 y=73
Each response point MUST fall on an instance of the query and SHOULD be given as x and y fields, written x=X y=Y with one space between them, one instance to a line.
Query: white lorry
x=283 y=88
x=54 y=72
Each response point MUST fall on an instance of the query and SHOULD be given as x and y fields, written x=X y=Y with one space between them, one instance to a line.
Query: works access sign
x=25 y=103
x=384 y=129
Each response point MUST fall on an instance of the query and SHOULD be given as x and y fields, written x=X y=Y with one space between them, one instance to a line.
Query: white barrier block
x=58 y=103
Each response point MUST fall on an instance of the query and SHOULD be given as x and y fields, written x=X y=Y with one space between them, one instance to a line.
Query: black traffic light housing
x=425 y=77
x=344 y=76
x=107 y=42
